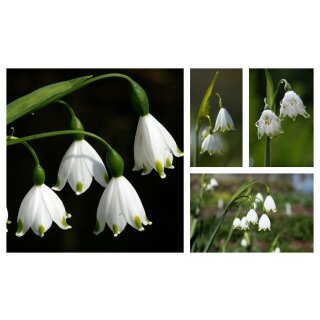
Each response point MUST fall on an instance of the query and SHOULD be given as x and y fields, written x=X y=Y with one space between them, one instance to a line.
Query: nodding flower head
x=268 y=124
x=264 y=223
x=291 y=105
x=224 y=121
x=212 y=144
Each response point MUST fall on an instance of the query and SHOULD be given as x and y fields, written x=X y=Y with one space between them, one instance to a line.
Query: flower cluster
x=291 y=106
x=211 y=139
x=252 y=218
x=120 y=204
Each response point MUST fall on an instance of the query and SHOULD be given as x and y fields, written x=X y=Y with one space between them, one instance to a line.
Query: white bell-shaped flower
x=244 y=225
x=268 y=124
x=38 y=209
x=264 y=223
x=80 y=163
x=291 y=105
x=154 y=146
x=211 y=144
x=252 y=216
x=119 y=205
x=269 y=204
x=236 y=223
x=276 y=250
x=212 y=184
x=258 y=198
x=224 y=121
x=244 y=243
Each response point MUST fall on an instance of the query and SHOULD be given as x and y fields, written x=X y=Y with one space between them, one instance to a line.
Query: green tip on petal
x=19 y=227
x=147 y=220
x=179 y=151
x=79 y=188
x=138 y=223
x=115 y=229
x=160 y=170
x=57 y=185
x=41 y=230
x=97 y=227
x=144 y=168
x=64 y=221
x=106 y=178
x=169 y=163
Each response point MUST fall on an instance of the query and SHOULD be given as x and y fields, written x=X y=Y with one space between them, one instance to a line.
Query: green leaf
x=270 y=89
x=42 y=97
x=204 y=106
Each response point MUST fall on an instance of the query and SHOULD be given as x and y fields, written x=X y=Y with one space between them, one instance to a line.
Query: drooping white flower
x=119 y=205
x=236 y=223
x=224 y=121
x=264 y=223
x=288 y=209
x=7 y=220
x=258 y=197
x=244 y=225
x=154 y=146
x=80 y=163
x=252 y=216
x=268 y=124
x=269 y=204
x=38 y=209
x=211 y=144
x=244 y=243
x=212 y=184
x=291 y=105
x=276 y=250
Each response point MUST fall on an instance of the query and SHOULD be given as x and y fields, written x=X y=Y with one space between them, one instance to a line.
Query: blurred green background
x=294 y=231
x=229 y=86
x=294 y=147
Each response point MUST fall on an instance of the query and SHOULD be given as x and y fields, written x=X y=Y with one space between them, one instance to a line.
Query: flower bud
x=115 y=163
x=38 y=175
x=139 y=99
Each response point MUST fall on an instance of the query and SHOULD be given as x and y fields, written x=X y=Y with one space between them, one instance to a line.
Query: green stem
x=65 y=104
x=267 y=153
x=57 y=133
x=31 y=150
x=195 y=154
x=109 y=75
x=213 y=235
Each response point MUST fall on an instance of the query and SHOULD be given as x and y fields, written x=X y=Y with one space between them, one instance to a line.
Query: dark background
x=104 y=109
x=294 y=147
x=229 y=86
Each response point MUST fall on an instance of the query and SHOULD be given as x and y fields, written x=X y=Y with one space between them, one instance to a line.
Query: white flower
x=211 y=144
x=204 y=133
x=244 y=242
x=7 y=216
x=80 y=163
x=213 y=183
x=236 y=223
x=269 y=204
x=276 y=250
x=119 y=205
x=259 y=197
x=264 y=223
x=38 y=209
x=291 y=105
x=268 y=124
x=244 y=225
x=154 y=146
x=252 y=216
x=224 y=121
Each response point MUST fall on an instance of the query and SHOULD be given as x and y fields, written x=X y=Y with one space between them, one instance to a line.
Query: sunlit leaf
x=204 y=106
x=270 y=89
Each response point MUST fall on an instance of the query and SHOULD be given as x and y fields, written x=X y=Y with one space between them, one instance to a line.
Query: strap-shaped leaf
x=270 y=89
x=204 y=106
x=42 y=97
